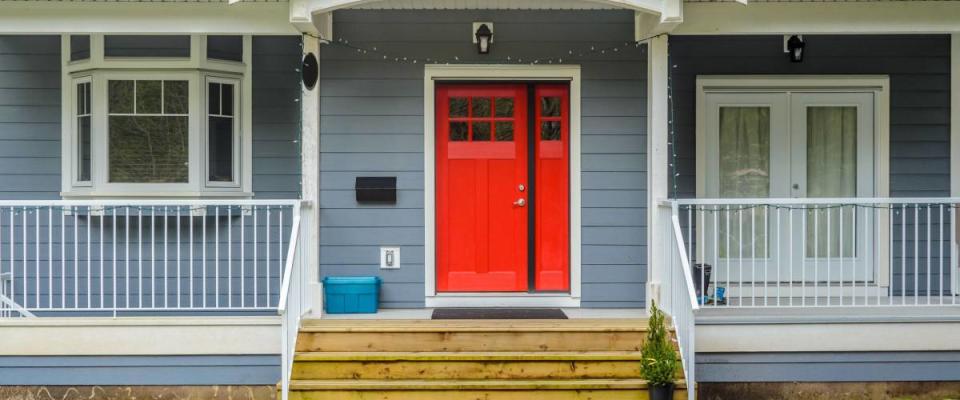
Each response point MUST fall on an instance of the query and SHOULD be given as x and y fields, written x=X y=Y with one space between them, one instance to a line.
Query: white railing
x=820 y=252
x=677 y=296
x=143 y=256
x=293 y=304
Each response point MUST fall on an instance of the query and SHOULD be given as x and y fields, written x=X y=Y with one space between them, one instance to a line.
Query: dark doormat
x=498 y=313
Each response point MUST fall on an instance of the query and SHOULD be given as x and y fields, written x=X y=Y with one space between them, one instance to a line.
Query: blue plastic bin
x=351 y=294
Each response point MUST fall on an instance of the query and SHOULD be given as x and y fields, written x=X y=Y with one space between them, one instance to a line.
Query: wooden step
x=466 y=365
x=471 y=335
x=572 y=389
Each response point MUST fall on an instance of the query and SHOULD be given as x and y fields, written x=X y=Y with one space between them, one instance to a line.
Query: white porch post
x=954 y=142
x=657 y=165
x=310 y=180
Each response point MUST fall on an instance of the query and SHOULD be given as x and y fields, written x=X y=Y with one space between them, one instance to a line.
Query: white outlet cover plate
x=383 y=257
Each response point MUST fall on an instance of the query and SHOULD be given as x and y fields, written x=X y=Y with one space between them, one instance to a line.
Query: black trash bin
x=701 y=279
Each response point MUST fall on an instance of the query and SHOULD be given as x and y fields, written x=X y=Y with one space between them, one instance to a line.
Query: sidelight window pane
x=220 y=132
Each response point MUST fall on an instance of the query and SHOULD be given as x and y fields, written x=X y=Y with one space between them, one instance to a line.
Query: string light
x=592 y=49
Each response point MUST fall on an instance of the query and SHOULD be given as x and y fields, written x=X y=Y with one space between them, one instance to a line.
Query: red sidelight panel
x=482 y=235
x=552 y=166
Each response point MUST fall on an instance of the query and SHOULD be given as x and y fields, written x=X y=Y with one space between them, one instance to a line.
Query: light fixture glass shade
x=484 y=37
x=795 y=46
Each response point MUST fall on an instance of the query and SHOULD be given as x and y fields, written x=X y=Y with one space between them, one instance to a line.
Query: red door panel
x=482 y=242
x=552 y=186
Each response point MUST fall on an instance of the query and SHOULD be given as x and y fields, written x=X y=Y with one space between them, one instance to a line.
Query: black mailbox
x=376 y=189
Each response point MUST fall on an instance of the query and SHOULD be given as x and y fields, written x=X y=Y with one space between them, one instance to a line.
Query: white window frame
x=74 y=168
x=237 y=117
x=197 y=70
x=879 y=85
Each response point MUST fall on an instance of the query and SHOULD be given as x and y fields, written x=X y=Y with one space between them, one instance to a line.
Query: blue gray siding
x=29 y=117
x=828 y=367
x=919 y=71
x=372 y=125
x=276 y=117
x=140 y=370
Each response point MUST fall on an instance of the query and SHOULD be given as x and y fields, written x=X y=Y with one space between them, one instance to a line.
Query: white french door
x=789 y=144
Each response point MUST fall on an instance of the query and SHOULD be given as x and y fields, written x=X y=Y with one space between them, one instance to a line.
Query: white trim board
x=39 y=17
x=501 y=73
x=72 y=336
x=817 y=336
x=866 y=17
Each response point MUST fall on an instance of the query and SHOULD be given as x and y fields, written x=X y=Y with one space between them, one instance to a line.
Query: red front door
x=482 y=242
x=502 y=187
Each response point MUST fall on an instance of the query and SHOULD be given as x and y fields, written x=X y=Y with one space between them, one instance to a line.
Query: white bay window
x=167 y=126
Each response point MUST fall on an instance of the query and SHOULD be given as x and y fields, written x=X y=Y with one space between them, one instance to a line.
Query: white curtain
x=744 y=172
x=831 y=172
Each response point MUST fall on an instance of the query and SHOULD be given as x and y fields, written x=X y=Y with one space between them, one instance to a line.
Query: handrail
x=288 y=267
x=684 y=262
x=293 y=302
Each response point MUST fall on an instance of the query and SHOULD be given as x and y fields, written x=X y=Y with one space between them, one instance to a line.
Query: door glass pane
x=481 y=107
x=550 y=130
x=481 y=131
x=458 y=106
x=550 y=107
x=744 y=172
x=458 y=131
x=504 y=131
x=831 y=172
x=504 y=107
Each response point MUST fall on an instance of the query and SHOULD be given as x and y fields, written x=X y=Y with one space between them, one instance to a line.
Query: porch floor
x=425 y=313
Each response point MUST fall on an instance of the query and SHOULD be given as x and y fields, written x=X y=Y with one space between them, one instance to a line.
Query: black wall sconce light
x=483 y=36
x=794 y=46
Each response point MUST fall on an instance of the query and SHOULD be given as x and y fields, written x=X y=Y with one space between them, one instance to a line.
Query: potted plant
x=658 y=365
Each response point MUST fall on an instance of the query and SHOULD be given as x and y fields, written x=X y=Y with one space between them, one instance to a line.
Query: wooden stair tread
x=488 y=325
x=485 y=384
x=471 y=356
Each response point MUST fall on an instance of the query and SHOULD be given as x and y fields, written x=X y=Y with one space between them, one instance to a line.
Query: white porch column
x=657 y=165
x=954 y=143
x=310 y=179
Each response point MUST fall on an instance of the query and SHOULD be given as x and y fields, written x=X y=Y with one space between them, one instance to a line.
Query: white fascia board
x=35 y=17
x=324 y=6
x=907 y=17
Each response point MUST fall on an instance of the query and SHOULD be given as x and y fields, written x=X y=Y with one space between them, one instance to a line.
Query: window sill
x=83 y=195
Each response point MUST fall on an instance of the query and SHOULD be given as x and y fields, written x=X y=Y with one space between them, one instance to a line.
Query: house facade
x=777 y=176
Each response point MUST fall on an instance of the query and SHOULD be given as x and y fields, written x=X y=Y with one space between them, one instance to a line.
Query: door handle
x=520 y=202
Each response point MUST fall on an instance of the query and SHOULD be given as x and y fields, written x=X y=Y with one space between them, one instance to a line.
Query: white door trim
x=484 y=72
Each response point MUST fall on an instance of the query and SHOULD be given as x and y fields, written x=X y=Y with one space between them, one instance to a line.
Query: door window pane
x=481 y=131
x=744 y=172
x=458 y=106
x=504 y=131
x=550 y=130
x=504 y=107
x=831 y=172
x=550 y=107
x=480 y=107
x=458 y=131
